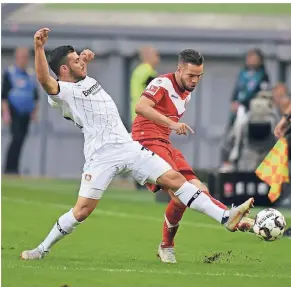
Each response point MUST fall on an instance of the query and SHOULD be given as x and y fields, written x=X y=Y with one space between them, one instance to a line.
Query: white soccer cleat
x=166 y=255
x=33 y=254
x=237 y=213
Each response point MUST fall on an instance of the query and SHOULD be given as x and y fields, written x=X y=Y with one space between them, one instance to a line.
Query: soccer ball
x=269 y=224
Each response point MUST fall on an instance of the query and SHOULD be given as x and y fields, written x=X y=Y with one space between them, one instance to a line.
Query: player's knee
x=172 y=180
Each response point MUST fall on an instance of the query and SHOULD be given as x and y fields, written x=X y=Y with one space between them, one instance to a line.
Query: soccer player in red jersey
x=159 y=110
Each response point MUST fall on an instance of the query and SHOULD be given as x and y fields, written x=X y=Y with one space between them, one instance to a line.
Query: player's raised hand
x=41 y=36
x=181 y=128
x=87 y=55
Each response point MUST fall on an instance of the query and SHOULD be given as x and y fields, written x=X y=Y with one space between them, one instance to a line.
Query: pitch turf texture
x=226 y=8
x=117 y=245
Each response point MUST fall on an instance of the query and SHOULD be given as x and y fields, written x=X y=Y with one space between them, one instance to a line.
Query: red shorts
x=172 y=156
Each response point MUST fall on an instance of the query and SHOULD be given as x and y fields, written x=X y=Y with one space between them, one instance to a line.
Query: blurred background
x=245 y=87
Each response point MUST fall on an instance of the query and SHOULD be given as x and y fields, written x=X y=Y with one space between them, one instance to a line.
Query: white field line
x=113 y=213
x=287 y=213
x=153 y=271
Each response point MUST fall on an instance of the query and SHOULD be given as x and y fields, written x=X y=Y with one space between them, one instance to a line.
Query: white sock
x=194 y=198
x=65 y=225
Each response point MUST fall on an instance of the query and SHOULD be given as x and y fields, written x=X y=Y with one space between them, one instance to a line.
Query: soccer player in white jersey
x=108 y=148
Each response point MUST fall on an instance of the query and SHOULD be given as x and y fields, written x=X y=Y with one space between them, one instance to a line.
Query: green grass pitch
x=117 y=245
x=227 y=8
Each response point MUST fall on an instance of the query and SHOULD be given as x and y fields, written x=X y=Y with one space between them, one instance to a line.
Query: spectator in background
x=252 y=78
x=281 y=98
x=143 y=74
x=19 y=105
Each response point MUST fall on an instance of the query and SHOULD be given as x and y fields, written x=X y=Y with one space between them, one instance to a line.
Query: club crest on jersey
x=88 y=177
x=152 y=90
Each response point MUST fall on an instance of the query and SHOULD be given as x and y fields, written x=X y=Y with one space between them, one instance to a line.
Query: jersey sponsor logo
x=152 y=90
x=159 y=82
x=94 y=88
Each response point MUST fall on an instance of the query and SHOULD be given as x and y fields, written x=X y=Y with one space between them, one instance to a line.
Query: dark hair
x=260 y=54
x=58 y=57
x=191 y=56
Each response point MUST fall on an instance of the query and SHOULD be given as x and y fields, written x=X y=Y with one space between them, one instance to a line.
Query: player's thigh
x=171 y=179
x=183 y=166
x=145 y=165
x=96 y=179
x=162 y=150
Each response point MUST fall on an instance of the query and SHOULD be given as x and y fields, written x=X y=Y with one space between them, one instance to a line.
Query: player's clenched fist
x=40 y=37
x=87 y=55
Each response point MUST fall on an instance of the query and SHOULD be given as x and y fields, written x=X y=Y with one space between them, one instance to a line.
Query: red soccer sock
x=173 y=214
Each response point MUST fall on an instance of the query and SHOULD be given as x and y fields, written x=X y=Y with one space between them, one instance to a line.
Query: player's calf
x=84 y=207
x=63 y=227
x=195 y=199
x=173 y=216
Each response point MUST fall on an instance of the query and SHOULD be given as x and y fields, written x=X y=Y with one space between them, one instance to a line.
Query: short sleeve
x=61 y=95
x=52 y=103
x=155 y=91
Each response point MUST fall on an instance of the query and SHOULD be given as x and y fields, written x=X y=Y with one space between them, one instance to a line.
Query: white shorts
x=110 y=160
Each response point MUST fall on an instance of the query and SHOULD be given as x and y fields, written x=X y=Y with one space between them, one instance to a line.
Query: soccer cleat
x=246 y=225
x=167 y=254
x=37 y=253
x=237 y=213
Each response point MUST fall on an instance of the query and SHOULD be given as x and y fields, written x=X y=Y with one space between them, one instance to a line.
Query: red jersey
x=170 y=100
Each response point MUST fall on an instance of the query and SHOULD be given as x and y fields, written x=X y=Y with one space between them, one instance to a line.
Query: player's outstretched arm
x=49 y=84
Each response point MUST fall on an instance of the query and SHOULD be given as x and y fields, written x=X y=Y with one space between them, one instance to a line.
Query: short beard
x=76 y=78
x=185 y=87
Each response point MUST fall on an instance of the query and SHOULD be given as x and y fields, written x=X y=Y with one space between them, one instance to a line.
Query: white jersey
x=94 y=111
